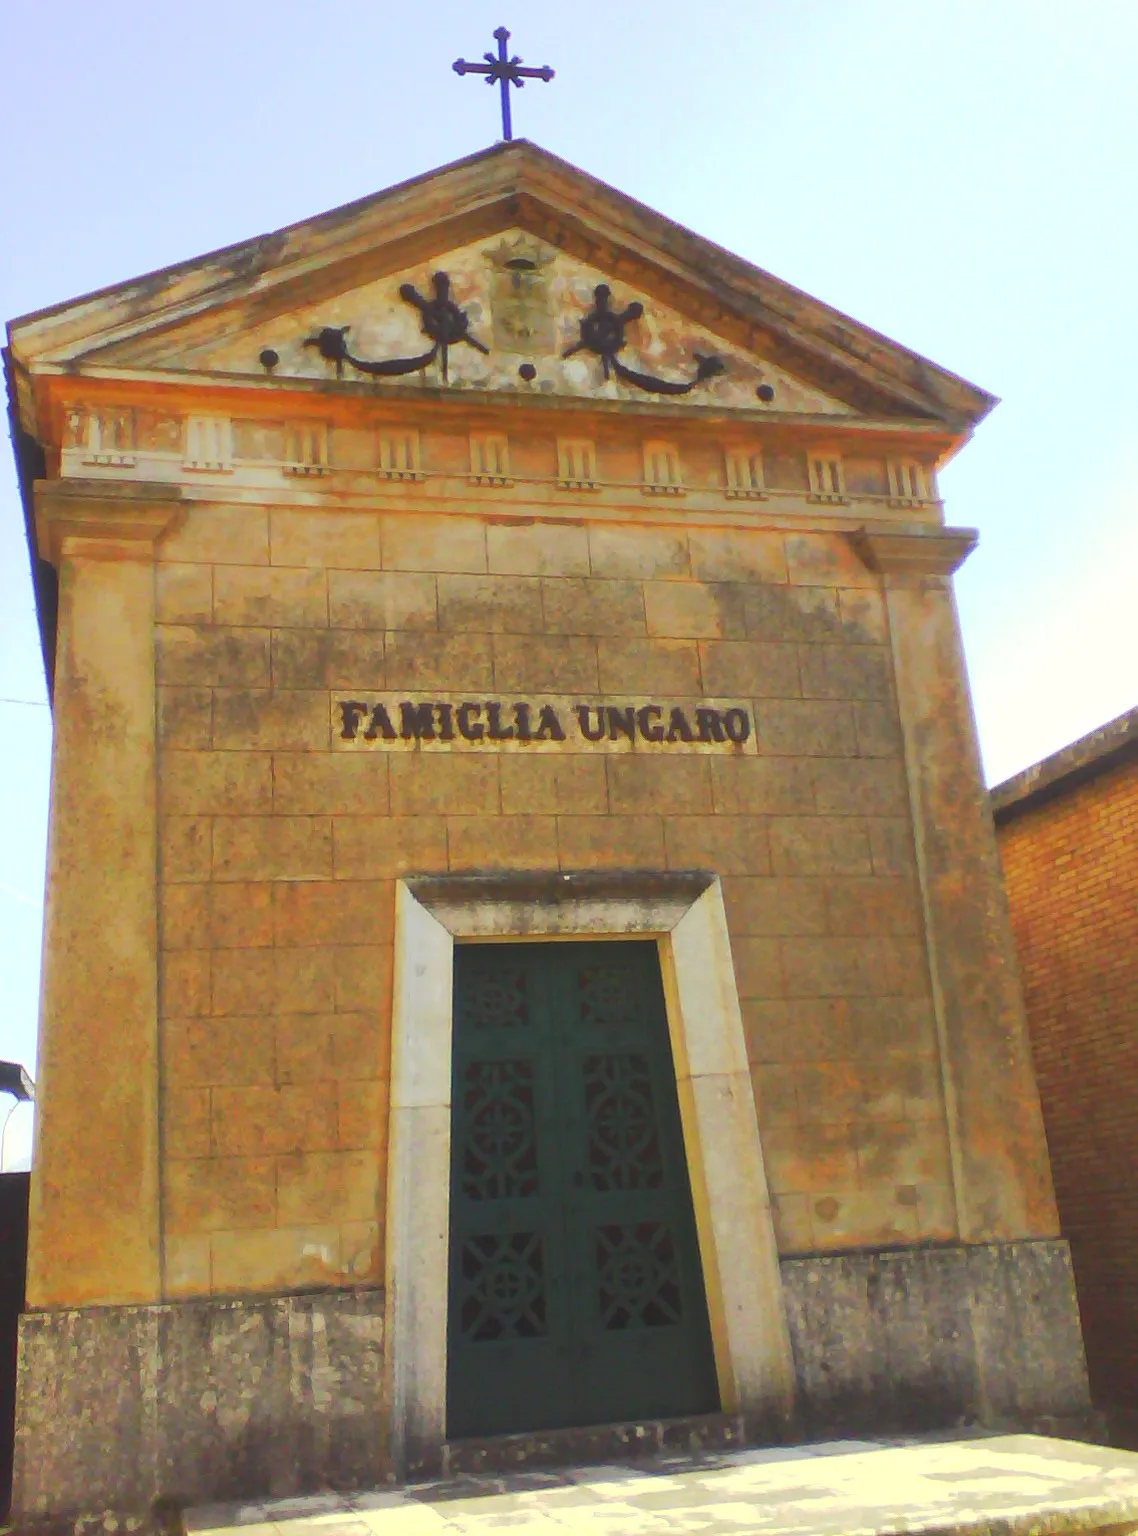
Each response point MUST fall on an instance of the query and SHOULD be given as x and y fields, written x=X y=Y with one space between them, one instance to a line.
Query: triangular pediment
x=525 y=305
x=525 y=241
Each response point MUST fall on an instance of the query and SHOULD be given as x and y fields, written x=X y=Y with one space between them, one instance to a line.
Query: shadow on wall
x=13 y=1266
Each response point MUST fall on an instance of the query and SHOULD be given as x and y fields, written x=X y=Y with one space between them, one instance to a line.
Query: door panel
x=507 y=1319
x=576 y=1294
x=640 y=1308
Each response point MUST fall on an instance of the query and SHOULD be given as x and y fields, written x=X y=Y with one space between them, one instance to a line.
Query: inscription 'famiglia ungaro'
x=485 y=721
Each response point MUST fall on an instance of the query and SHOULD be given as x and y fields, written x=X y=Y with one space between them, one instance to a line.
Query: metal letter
x=650 y=732
x=549 y=727
x=622 y=722
x=737 y=724
x=467 y=716
x=418 y=721
x=678 y=727
x=494 y=731
x=351 y=713
x=709 y=724
x=380 y=725
x=583 y=712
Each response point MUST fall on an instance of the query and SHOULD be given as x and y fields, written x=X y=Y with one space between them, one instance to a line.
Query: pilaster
x=94 y=1208
x=999 y=1153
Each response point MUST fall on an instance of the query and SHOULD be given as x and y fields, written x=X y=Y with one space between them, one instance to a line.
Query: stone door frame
x=684 y=912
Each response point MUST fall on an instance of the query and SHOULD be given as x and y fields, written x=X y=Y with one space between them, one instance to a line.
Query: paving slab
x=1000 y=1485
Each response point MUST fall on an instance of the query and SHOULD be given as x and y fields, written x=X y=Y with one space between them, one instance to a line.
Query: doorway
x=576 y=1293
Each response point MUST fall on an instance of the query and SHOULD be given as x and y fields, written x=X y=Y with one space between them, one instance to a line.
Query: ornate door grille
x=576 y=1294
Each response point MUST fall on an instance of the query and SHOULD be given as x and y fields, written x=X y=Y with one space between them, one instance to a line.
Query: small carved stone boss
x=520 y=299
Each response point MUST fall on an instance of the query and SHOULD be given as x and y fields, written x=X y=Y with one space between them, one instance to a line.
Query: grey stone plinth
x=200 y=1402
x=1008 y=1485
x=195 y=1401
x=920 y=1339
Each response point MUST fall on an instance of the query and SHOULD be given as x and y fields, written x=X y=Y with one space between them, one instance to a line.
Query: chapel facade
x=525 y=948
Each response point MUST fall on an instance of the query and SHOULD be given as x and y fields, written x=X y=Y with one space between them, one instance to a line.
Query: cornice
x=106 y=520
x=519 y=183
x=913 y=553
x=271 y=397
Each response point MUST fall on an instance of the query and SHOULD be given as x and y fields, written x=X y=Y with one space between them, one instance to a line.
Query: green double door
x=576 y=1294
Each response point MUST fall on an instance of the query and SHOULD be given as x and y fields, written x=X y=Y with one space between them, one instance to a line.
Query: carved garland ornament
x=443 y=322
x=446 y=325
x=602 y=333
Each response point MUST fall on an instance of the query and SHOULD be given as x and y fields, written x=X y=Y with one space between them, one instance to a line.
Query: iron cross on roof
x=505 y=72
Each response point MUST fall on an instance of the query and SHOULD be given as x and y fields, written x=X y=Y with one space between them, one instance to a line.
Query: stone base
x=118 y=1407
x=204 y=1401
x=914 y=1340
x=597 y=1443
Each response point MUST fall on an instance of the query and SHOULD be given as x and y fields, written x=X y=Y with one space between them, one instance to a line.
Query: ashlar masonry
x=523 y=909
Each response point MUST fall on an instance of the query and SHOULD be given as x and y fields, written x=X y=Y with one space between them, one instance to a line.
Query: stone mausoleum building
x=525 y=946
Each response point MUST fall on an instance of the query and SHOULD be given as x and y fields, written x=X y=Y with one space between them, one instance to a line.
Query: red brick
x=1071 y=872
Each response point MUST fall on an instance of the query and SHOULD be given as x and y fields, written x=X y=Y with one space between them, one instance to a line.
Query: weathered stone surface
x=1006 y=1485
x=1002 y=1176
x=599 y=1443
x=197 y=1401
x=269 y=1397
x=94 y=1221
x=922 y=1339
x=1028 y=1341
x=329 y=542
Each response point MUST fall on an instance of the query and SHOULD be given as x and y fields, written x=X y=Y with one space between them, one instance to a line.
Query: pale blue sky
x=959 y=174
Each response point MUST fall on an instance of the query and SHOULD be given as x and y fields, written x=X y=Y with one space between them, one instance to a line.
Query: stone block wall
x=278 y=854
x=198 y=1401
x=938 y=1338
x=1071 y=869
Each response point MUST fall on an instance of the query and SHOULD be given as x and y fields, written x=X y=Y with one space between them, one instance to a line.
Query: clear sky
x=959 y=174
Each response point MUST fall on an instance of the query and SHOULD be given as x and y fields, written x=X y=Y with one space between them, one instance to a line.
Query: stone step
x=599 y=1443
x=995 y=1485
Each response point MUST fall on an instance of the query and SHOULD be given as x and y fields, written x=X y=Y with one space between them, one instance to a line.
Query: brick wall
x=279 y=853
x=1071 y=868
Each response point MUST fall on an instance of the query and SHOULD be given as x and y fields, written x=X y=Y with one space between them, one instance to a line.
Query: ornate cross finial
x=504 y=72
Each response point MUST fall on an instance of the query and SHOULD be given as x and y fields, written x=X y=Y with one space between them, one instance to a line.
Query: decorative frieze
x=908 y=483
x=490 y=458
x=744 y=475
x=105 y=437
x=209 y=444
x=663 y=473
x=863 y=475
x=160 y=445
x=827 y=482
x=399 y=454
x=577 y=464
x=306 y=448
